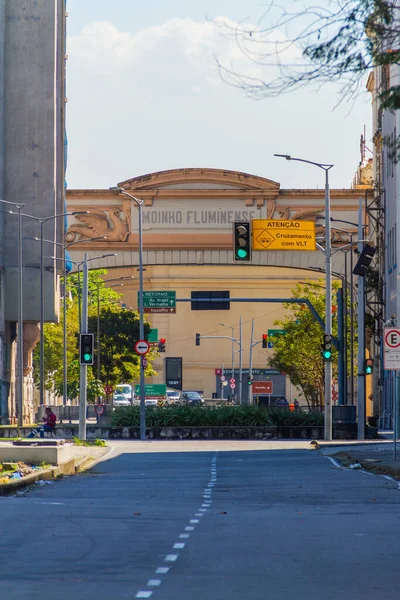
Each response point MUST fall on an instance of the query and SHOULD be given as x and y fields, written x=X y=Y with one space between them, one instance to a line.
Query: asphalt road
x=220 y=524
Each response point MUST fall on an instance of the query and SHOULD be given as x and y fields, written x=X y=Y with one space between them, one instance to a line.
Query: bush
x=219 y=416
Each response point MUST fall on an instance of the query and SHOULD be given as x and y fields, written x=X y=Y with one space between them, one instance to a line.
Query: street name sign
x=159 y=302
x=271 y=234
x=391 y=348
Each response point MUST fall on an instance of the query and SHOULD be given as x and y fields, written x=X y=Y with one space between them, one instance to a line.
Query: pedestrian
x=296 y=404
x=50 y=421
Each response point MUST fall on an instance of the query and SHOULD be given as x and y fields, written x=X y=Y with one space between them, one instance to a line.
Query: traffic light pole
x=361 y=336
x=83 y=368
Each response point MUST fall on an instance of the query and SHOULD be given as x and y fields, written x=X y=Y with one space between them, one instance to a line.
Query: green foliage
x=96 y=442
x=119 y=331
x=207 y=416
x=298 y=352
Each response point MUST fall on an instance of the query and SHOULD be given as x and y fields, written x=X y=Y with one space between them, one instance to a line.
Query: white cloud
x=179 y=50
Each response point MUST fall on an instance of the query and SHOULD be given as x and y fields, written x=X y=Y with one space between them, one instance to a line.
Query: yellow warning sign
x=271 y=234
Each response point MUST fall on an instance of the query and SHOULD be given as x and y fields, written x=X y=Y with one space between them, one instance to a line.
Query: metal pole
x=251 y=362
x=20 y=327
x=41 y=384
x=361 y=337
x=141 y=328
x=345 y=353
x=395 y=412
x=351 y=323
x=341 y=366
x=240 y=360
x=79 y=296
x=83 y=368
x=328 y=311
x=98 y=332
x=233 y=356
x=65 y=373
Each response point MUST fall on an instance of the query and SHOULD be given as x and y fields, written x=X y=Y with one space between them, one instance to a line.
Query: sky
x=145 y=94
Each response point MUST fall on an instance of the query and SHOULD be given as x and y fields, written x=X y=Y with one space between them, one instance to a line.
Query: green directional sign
x=153 y=335
x=275 y=332
x=152 y=390
x=159 y=302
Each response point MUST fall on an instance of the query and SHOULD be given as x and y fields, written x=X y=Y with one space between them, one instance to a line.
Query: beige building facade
x=188 y=217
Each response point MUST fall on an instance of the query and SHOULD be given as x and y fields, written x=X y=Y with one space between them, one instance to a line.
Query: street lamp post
x=42 y=221
x=233 y=347
x=65 y=247
x=139 y=204
x=20 y=355
x=328 y=286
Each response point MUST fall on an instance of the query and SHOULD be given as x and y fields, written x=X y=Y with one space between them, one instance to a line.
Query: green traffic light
x=368 y=370
x=87 y=356
x=327 y=354
x=241 y=253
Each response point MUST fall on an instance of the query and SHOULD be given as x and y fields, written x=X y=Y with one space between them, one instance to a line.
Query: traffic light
x=86 y=347
x=197 y=339
x=327 y=347
x=265 y=340
x=364 y=260
x=161 y=344
x=250 y=381
x=242 y=241
x=369 y=366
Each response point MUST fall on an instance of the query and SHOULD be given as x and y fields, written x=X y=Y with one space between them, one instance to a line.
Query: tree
x=340 y=43
x=119 y=333
x=298 y=352
x=53 y=346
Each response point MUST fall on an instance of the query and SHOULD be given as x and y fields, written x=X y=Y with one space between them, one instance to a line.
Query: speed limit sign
x=233 y=385
x=108 y=389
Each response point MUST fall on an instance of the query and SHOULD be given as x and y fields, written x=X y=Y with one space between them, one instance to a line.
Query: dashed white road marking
x=171 y=557
x=181 y=545
x=162 y=570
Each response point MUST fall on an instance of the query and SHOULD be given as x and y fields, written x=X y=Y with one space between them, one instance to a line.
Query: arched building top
x=201 y=178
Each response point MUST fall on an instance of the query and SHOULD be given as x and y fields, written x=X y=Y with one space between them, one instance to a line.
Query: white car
x=151 y=402
x=123 y=395
x=173 y=397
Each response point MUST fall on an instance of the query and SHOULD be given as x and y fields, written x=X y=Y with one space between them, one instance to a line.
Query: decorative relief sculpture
x=99 y=223
x=305 y=214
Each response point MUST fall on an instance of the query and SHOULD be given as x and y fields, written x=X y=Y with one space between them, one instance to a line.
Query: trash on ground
x=11 y=471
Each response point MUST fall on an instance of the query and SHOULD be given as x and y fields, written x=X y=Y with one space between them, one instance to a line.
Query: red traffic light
x=264 y=336
x=162 y=340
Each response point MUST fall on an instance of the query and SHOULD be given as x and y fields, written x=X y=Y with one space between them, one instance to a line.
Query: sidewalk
x=376 y=457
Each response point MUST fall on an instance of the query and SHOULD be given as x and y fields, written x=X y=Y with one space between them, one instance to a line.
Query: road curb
x=346 y=459
x=69 y=467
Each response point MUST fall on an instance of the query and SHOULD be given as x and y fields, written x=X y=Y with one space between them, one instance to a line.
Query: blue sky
x=144 y=94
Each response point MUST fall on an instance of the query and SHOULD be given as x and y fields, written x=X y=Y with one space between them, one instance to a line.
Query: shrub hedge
x=207 y=416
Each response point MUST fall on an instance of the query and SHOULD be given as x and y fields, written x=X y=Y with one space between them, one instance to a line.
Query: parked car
x=151 y=402
x=173 y=397
x=193 y=398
